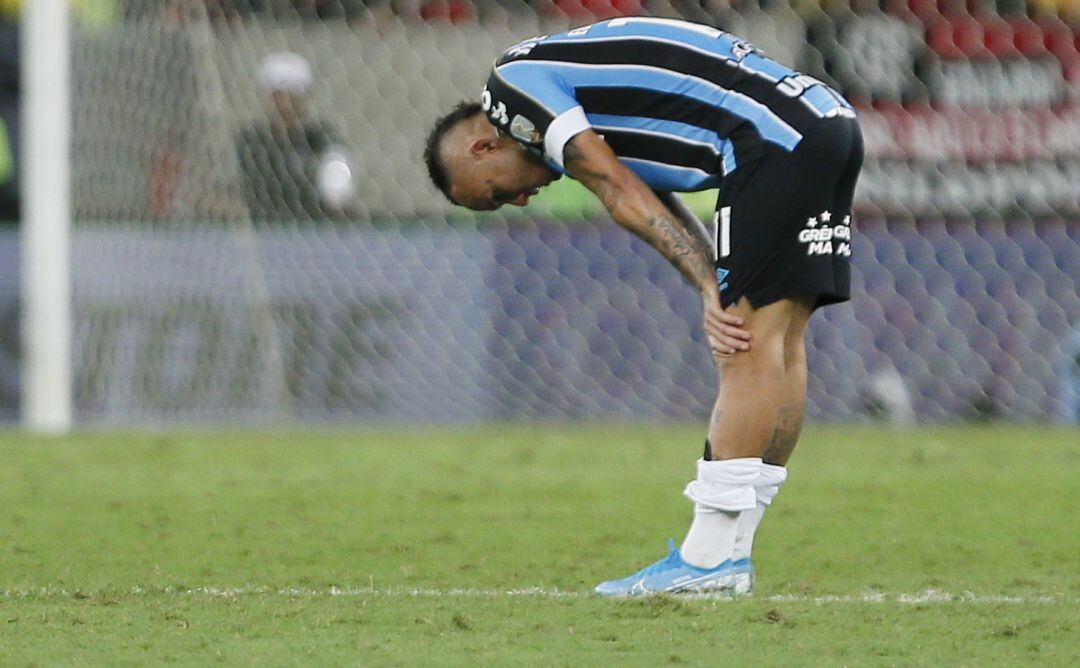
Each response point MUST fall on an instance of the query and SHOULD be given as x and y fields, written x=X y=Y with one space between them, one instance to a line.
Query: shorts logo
x=721 y=278
x=819 y=235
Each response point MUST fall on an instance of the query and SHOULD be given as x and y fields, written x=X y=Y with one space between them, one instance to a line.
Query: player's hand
x=724 y=329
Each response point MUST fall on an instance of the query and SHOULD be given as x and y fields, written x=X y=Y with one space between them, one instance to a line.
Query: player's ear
x=483 y=145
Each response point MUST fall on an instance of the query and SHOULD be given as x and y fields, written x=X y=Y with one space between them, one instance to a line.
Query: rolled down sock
x=722 y=491
x=766 y=488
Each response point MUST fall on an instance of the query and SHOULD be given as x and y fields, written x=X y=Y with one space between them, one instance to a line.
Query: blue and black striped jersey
x=680 y=103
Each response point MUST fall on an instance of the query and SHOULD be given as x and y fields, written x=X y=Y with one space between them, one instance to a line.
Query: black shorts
x=783 y=221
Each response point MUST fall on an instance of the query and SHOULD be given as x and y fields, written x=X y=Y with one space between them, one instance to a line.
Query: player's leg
x=793 y=404
x=759 y=408
x=774 y=272
x=758 y=411
x=786 y=436
x=786 y=251
x=792 y=400
x=778 y=451
x=745 y=416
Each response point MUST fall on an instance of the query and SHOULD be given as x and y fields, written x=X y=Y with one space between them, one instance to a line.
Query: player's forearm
x=637 y=208
x=687 y=217
x=666 y=232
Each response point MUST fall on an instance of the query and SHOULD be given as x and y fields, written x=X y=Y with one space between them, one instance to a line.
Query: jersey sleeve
x=534 y=106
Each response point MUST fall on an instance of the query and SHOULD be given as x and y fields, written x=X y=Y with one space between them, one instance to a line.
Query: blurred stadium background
x=223 y=271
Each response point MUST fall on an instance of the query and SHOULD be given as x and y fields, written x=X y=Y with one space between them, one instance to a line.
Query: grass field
x=433 y=547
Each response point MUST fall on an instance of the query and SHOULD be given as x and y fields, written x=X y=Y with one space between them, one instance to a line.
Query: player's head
x=288 y=78
x=477 y=167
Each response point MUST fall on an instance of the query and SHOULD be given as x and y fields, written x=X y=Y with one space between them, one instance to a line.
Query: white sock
x=722 y=491
x=744 y=534
x=711 y=538
x=766 y=488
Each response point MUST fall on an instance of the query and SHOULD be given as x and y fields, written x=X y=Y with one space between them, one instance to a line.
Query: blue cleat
x=672 y=575
x=742 y=577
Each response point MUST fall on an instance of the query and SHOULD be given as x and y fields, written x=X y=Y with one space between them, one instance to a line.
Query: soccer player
x=637 y=109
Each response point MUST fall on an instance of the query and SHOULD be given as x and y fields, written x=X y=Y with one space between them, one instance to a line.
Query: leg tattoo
x=785 y=435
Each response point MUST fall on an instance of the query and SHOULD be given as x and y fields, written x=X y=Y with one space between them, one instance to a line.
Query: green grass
x=121 y=549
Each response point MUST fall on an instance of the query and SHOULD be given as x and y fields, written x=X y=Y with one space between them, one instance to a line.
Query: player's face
x=502 y=174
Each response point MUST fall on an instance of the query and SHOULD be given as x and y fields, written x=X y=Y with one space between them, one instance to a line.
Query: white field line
x=927 y=596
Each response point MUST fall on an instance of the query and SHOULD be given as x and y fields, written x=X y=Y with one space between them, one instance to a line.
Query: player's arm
x=634 y=206
x=715 y=317
x=689 y=220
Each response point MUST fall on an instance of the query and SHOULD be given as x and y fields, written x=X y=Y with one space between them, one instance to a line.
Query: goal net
x=255 y=239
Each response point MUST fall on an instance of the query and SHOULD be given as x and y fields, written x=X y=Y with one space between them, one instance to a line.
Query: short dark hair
x=436 y=168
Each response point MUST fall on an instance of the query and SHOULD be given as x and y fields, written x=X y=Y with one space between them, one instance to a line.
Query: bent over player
x=637 y=109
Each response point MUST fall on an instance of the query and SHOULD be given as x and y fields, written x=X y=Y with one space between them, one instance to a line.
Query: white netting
x=225 y=272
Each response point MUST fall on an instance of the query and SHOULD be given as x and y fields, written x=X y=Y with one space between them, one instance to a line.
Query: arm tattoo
x=688 y=253
x=671 y=231
x=690 y=222
x=666 y=232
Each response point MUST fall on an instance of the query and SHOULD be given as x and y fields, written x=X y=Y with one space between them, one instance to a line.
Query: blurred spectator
x=293 y=167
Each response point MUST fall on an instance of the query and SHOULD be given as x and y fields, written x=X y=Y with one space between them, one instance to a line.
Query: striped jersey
x=681 y=104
